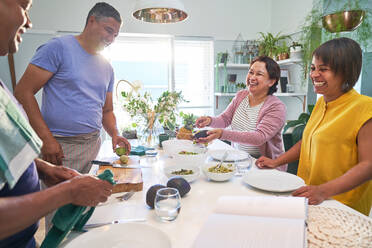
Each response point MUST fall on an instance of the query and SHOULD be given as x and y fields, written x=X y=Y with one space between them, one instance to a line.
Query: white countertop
x=196 y=206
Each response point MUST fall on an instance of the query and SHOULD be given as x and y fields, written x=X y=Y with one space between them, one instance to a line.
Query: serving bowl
x=174 y=146
x=176 y=170
x=219 y=176
x=192 y=155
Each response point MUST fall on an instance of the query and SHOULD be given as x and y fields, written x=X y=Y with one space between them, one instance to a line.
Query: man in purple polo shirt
x=77 y=84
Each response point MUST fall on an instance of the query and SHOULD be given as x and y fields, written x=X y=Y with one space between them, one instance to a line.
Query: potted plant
x=221 y=58
x=295 y=50
x=313 y=33
x=292 y=133
x=269 y=43
x=283 y=52
x=130 y=132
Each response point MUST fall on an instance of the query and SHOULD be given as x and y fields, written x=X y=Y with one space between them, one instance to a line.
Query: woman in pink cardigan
x=256 y=116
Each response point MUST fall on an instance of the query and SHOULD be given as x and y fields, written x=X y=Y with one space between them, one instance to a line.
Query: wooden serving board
x=126 y=179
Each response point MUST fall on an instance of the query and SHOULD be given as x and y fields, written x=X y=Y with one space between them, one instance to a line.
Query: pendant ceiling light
x=160 y=11
x=343 y=21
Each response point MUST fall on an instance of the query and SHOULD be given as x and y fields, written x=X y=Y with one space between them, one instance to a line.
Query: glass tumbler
x=167 y=204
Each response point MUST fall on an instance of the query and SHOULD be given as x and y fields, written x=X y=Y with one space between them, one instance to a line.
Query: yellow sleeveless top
x=329 y=145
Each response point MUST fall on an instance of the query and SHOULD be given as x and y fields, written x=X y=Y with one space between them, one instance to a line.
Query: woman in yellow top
x=335 y=158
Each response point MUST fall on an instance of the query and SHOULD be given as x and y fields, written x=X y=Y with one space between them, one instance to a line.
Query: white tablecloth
x=196 y=206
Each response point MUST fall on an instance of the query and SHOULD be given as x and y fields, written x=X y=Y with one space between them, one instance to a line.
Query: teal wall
x=366 y=83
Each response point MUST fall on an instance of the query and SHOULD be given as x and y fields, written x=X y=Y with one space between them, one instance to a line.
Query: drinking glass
x=243 y=166
x=167 y=204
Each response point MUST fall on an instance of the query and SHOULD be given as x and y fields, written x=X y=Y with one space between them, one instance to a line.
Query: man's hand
x=203 y=121
x=265 y=162
x=52 y=174
x=212 y=135
x=87 y=190
x=315 y=194
x=52 y=151
x=122 y=142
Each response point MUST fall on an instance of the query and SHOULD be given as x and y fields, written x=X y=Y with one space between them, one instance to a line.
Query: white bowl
x=220 y=177
x=174 y=146
x=190 y=178
x=197 y=159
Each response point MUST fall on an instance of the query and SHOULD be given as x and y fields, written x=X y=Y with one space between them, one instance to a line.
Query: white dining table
x=196 y=206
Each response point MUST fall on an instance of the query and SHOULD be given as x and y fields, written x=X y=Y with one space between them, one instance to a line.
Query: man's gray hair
x=101 y=10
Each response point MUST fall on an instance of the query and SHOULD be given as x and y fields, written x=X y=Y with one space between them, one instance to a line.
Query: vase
x=148 y=130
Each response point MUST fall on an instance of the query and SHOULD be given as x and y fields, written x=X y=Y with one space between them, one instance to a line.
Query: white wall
x=287 y=16
x=221 y=19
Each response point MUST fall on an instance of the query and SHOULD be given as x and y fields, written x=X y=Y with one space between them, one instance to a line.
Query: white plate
x=273 y=180
x=131 y=235
x=232 y=156
x=189 y=178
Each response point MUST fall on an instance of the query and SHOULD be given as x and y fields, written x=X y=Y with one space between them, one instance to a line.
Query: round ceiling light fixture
x=160 y=11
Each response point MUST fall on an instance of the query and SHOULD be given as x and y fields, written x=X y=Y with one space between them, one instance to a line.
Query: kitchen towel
x=71 y=217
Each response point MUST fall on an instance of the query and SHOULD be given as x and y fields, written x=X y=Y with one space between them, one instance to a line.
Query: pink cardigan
x=270 y=121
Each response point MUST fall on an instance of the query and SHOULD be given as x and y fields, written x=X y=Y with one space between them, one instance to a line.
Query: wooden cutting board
x=126 y=179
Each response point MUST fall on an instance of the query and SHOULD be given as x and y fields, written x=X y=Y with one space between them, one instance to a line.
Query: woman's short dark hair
x=272 y=68
x=344 y=57
x=103 y=9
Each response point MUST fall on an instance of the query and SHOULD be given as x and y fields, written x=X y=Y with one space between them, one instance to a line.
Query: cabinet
x=241 y=71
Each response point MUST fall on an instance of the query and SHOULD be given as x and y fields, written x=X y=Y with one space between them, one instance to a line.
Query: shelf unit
x=246 y=66
x=300 y=96
x=285 y=62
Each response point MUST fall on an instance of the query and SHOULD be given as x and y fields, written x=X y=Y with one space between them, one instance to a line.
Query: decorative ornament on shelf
x=160 y=11
x=149 y=114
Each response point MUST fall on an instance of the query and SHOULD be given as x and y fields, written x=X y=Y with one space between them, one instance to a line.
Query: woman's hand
x=315 y=193
x=212 y=135
x=265 y=162
x=203 y=121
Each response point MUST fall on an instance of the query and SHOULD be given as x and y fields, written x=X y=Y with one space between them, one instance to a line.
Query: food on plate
x=188 y=153
x=124 y=159
x=151 y=193
x=221 y=169
x=183 y=172
x=184 y=133
x=179 y=183
x=121 y=151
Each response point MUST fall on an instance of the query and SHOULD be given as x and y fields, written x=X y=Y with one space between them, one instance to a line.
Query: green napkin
x=71 y=217
x=140 y=150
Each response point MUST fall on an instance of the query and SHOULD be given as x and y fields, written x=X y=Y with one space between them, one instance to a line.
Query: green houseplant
x=313 y=33
x=148 y=113
x=269 y=43
x=292 y=133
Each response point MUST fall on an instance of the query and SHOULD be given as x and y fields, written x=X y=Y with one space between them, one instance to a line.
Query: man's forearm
x=109 y=123
x=17 y=213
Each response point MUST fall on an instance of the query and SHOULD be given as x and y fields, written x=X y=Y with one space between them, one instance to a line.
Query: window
x=164 y=62
x=194 y=74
